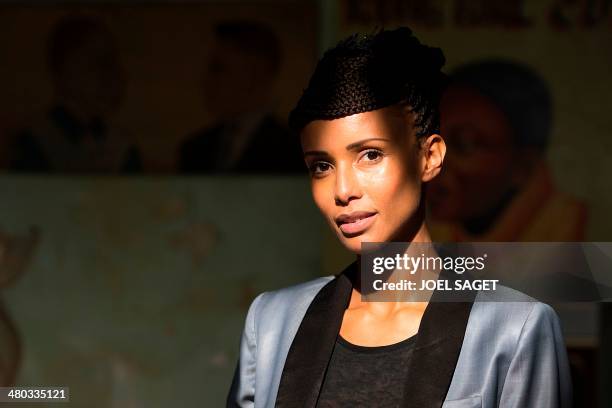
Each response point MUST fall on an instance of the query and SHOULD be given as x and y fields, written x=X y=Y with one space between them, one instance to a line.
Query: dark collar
x=436 y=351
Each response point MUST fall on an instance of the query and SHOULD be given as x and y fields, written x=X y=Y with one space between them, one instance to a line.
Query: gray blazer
x=481 y=353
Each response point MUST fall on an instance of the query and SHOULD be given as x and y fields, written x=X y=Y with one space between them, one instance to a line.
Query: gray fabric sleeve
x=242 y=390
x=538 y=375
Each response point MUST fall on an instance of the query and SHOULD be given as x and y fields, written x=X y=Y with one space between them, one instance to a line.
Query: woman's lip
x=357 y=227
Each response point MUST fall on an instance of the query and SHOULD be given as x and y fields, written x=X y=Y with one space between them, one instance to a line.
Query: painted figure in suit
x=77 y=133
x=238 y=86
x=369 y=127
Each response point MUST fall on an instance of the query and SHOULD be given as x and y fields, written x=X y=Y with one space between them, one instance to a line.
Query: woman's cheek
x=374 y=176
x=318 y=195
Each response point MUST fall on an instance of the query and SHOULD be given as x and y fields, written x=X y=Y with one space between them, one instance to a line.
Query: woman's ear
x=433 y=150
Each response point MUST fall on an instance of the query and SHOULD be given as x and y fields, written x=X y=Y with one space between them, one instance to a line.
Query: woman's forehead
x=393 y=123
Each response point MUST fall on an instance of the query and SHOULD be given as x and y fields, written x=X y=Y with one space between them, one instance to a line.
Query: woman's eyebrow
x=357 y=145
x=315 y=153
x=352 y=146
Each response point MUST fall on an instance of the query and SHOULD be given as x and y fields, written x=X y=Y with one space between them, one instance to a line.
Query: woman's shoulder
x=509 y=311
x=291 y=293
x=290 y=299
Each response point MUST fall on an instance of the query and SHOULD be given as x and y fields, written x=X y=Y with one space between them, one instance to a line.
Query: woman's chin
x=353 y=244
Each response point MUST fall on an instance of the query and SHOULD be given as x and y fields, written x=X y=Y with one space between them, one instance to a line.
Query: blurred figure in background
x=496 y=119
x=88 y=80
x=238 y=89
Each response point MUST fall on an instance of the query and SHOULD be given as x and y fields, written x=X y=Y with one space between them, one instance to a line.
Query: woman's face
x=367 y=172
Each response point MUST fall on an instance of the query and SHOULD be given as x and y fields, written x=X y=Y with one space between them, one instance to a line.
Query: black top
x=360 y=376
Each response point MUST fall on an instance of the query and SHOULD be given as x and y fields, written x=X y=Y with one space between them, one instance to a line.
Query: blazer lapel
x=437 y=349
x=313 y=344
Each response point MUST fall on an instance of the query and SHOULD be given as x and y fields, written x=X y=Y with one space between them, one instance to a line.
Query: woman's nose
x=347 y=185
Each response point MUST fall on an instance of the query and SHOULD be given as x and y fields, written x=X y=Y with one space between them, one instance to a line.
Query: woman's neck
x=388 y=307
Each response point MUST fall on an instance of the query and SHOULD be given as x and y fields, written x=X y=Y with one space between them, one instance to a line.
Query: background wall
x=136 y=290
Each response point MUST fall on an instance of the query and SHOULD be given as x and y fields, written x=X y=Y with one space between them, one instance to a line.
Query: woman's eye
x=372 y=155
x=319 y=167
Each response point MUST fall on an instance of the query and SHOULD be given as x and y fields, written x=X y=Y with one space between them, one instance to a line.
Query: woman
x=368 y=124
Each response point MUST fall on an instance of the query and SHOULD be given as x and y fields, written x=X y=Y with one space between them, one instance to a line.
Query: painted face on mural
x=483 y=163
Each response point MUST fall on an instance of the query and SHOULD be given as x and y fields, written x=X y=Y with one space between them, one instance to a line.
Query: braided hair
x=365 y=72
